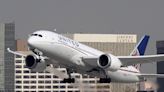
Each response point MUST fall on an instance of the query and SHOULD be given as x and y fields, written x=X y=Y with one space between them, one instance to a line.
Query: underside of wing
x=131 y=60
x=92 y=61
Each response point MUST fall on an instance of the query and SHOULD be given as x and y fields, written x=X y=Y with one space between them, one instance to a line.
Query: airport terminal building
x=117 y=44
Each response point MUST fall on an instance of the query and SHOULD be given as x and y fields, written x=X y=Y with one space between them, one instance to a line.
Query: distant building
x=21 y=45
x=7 y=40
x=117 y=44
x=160 y=65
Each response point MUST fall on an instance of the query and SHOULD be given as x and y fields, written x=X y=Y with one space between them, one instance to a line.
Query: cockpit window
x=40 y=35
x=37 y=35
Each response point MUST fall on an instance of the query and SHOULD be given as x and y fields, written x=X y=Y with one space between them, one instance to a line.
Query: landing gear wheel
x=69 y=80
x=105 y=80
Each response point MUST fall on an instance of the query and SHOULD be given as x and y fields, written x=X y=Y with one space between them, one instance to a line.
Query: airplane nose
x=30 y=41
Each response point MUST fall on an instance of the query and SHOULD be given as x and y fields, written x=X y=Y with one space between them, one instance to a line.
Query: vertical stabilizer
x=140 y=48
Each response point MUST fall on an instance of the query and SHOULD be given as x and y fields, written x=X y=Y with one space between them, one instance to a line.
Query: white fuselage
x=66 y=52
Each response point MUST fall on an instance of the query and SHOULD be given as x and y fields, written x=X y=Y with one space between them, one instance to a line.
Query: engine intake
x=31 y=61
x=34 y=63
x=104 y=61
x=109 y=62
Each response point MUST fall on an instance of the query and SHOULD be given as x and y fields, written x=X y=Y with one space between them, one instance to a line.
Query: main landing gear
x=104 y=80
x=69 y=80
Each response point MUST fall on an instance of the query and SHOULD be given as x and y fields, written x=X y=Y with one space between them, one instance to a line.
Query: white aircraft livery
x=50 y=48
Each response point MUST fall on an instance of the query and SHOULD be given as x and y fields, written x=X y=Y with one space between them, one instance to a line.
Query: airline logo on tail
x=135 y=53
x=140 y=48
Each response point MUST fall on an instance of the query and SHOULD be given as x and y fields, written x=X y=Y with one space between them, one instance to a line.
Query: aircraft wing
x=24 y=54
x=151 y=75
x=128 y=60
x=16 y=53
x=131 y=60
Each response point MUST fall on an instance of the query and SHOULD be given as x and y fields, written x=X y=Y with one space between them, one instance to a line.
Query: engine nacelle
x=34 y=63
x=109 y=62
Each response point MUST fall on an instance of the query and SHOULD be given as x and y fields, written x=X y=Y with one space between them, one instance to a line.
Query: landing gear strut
x=69 y=80
x=106 y=79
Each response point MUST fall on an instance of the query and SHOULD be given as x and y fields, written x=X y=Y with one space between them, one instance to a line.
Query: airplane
x=50 y=48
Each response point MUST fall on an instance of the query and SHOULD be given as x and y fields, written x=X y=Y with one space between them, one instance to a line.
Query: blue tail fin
x=140 y=48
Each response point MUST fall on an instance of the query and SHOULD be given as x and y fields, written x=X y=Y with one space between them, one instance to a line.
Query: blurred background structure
x=160 y=65
x=7 y=40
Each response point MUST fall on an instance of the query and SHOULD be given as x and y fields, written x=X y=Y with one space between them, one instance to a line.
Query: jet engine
x=109 y=62
x=35 y=63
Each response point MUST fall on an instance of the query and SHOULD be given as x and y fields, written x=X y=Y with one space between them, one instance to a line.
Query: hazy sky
x=93 y=16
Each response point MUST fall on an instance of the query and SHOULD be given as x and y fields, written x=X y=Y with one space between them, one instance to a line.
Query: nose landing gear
x=37 y=52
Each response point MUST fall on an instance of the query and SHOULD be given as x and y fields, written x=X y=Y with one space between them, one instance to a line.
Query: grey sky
x=93 y=16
